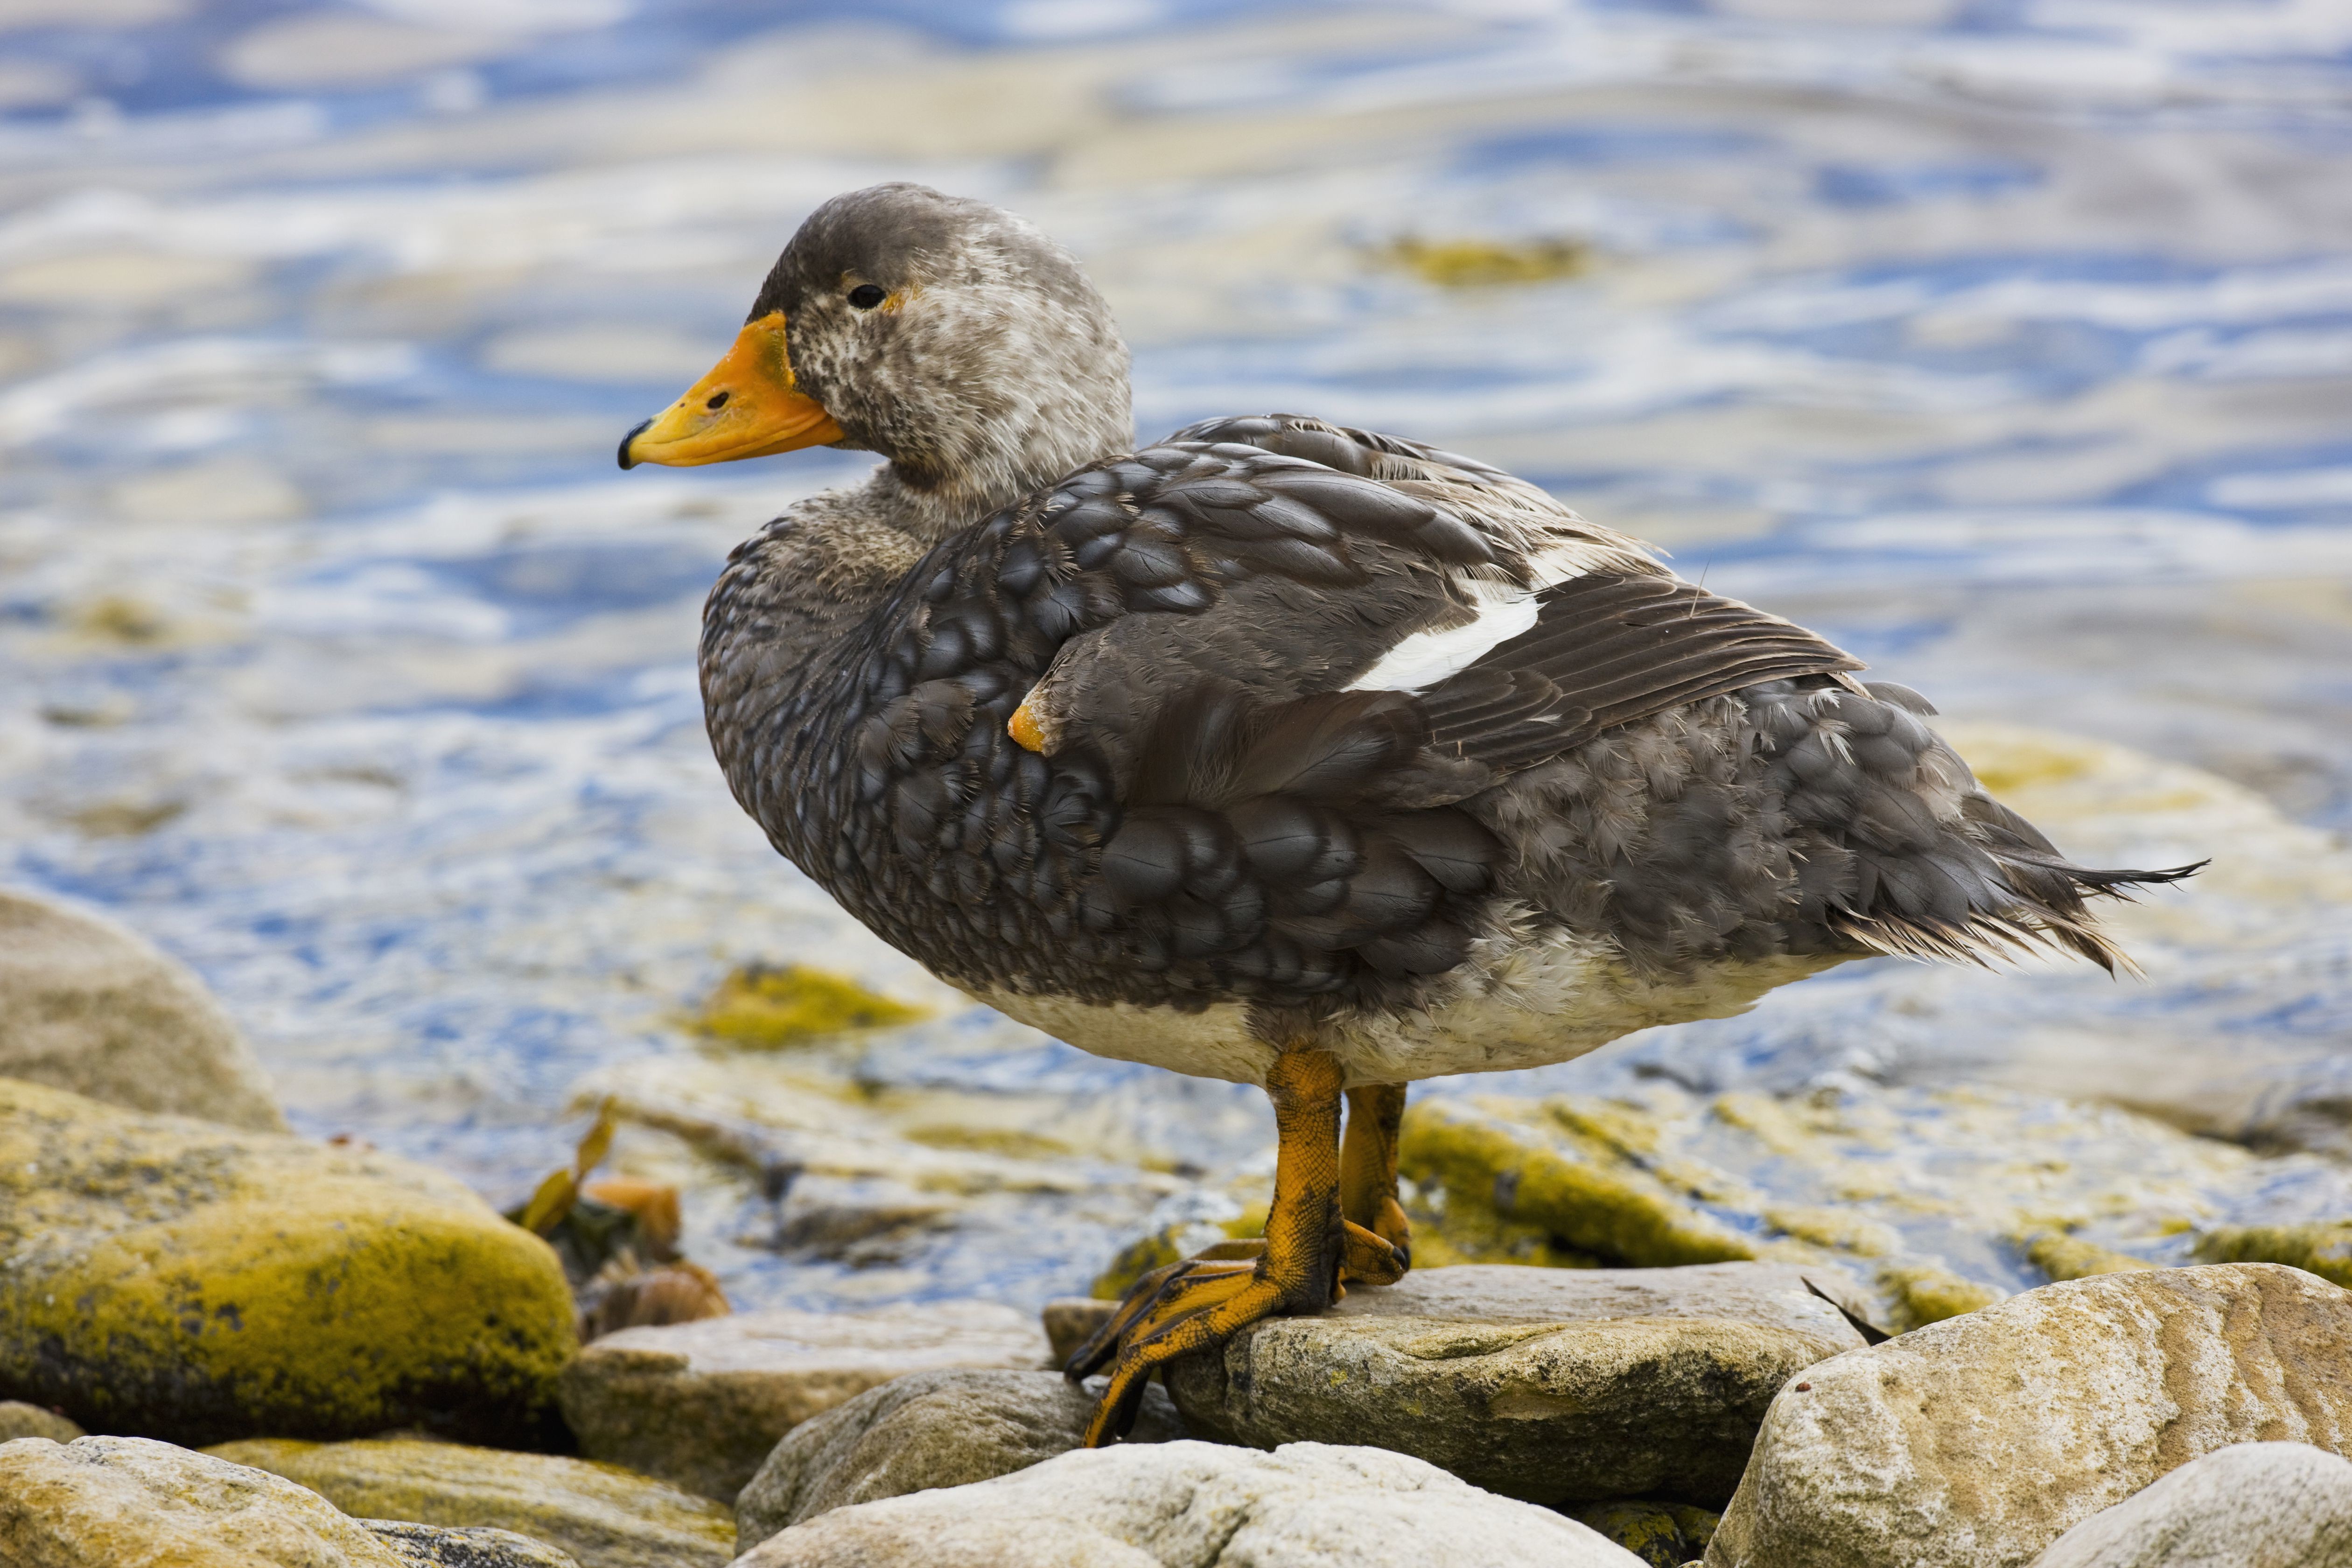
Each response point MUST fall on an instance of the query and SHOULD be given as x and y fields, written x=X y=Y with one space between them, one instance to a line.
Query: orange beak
x=746 y=407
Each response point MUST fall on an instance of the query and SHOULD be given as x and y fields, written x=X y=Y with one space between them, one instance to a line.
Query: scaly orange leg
x=1368 y=1168
x=1199 y=1301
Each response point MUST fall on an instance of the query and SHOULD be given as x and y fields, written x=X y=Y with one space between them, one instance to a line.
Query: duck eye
x=865 y=296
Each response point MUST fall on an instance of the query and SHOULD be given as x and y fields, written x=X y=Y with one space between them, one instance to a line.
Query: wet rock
x=2063 y=1256
x=1976 y=1443
x=2254 y=1505
x=90 y=1006
x=102 y=1502
x=1661 y=1535
x=431 y=1546
x=605 y=1516
x=702 y=1404
x=18 y=1419
x=927 y=1429
x=190 y=1281
x=1070 y=1320
x=2321 y=1249
x=1553 y=1386
x=1934 y=1200
x=1534 y=1177
x=1199 y=1505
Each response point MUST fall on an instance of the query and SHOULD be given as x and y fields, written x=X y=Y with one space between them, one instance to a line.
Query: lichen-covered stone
x=927 y=1429
x=2252 y=1505
x=1661 y=1535
x=1199 y=1505
x=89 y=1006
x=194 y=1282
x=2321 y=1249
x=603 y=1515
x=1554 y=1386
x=130 y=1502
x=18 y=1419
x=1977 y=1442
x=702 y=1404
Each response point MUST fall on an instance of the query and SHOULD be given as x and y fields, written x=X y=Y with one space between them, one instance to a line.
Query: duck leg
x=1201 y=1301
x=1368 y=1168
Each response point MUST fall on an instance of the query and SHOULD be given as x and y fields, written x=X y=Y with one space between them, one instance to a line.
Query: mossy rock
x=2321 y=1249
x=771 y=1007
x=1491 y=1171
x=183 y=1281
x=606 y=1516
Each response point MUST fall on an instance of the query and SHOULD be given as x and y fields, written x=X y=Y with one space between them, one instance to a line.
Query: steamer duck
x=1276 y=751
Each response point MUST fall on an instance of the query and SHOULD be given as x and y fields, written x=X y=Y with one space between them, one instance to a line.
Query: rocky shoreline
x=300 y=1354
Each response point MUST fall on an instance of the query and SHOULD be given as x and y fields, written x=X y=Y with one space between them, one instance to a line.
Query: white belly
x=1511 y=1005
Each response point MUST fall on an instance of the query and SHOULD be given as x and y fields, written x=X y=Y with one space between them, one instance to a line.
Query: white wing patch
x=1500 y=611
x=1424 y=659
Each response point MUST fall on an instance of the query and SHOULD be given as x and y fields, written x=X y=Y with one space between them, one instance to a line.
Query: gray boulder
x=1550 y=1385
x=90 y=1006
x=2252 y=1505
x=702 y=1404
x=1977 y=1442
x=1200 y=1505
x=927 y=1429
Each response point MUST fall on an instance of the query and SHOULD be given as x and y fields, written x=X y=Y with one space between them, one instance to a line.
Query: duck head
x=953 y=339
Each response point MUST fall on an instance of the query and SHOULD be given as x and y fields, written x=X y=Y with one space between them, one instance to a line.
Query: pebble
x=194 y=1282
x=927 y=1429
x=702 y=1404
x=1977 y=1442
x=1200 y=1505
x=1551 y=1384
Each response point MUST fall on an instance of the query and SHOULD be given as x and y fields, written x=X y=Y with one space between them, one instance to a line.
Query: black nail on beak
x=634 y=431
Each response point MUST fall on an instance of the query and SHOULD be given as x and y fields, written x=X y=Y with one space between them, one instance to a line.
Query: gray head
x=950 y=337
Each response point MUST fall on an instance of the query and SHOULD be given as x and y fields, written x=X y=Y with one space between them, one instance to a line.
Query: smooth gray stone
x=2253 y=1505
x=1199 y=1505
x=92 y=1006
x=927 y=1429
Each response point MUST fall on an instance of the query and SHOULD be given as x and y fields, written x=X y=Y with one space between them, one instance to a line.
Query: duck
x=1278 y=751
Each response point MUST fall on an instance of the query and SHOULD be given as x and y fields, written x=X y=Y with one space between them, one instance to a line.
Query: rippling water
x=2009 y=343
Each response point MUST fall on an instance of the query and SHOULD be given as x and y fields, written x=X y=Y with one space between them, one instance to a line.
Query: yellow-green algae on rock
x=768 y=1008
x=606 y=1516
x=183 y=1281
